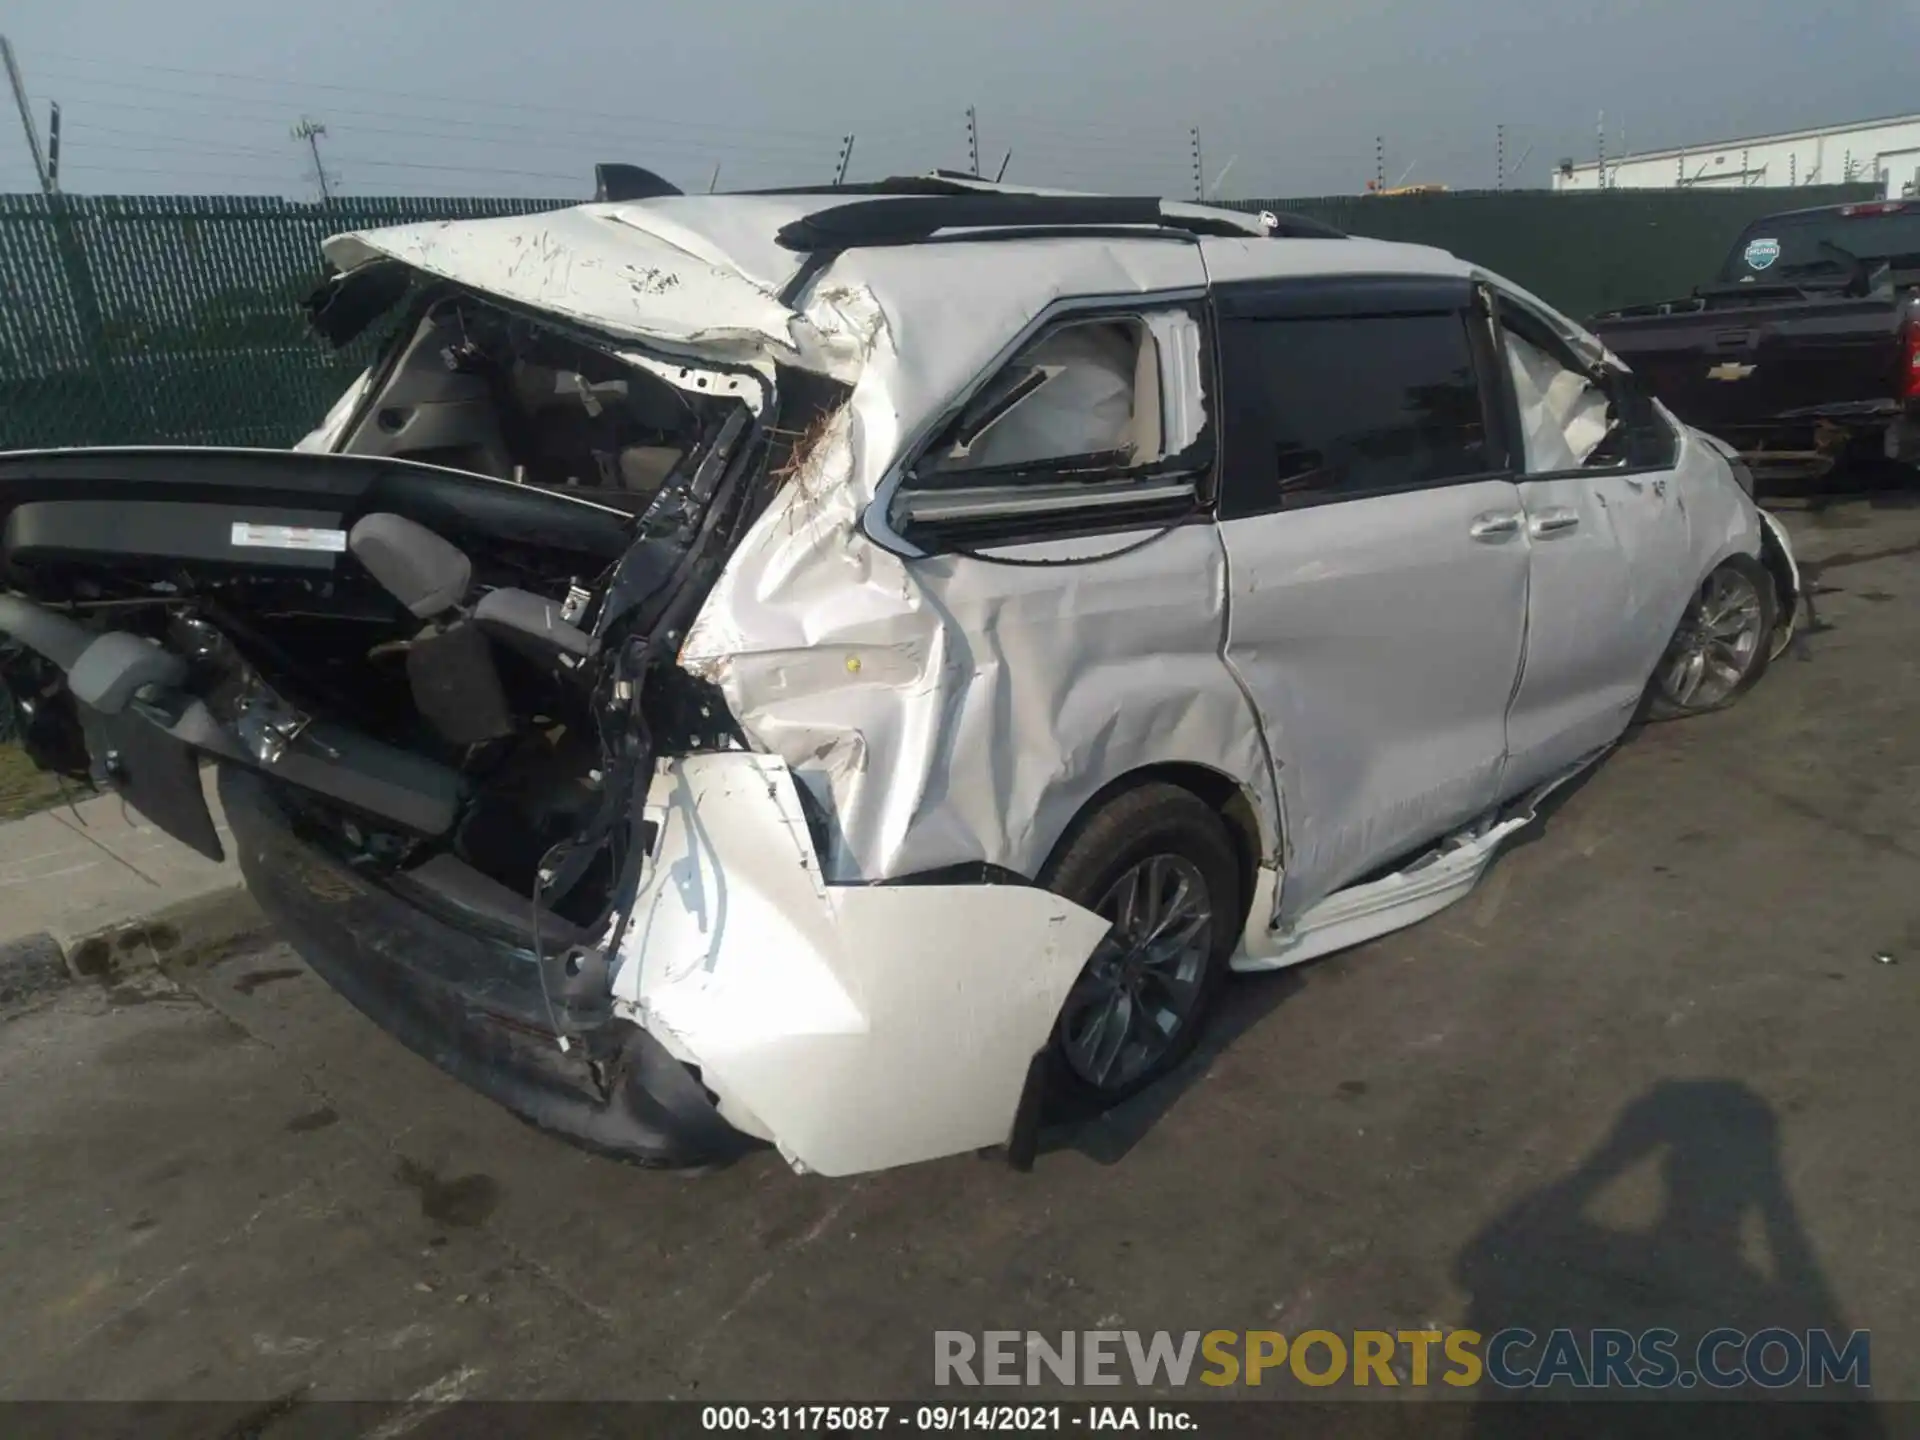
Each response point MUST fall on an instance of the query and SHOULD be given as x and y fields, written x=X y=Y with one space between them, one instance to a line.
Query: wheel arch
x=1779 y=563
x=1231 y=799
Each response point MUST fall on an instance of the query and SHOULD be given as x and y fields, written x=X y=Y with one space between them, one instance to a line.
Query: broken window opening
x=1566 y=418
x=1087 y=394
x=474 y=388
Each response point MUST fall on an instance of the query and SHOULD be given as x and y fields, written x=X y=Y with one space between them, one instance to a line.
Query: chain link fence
x=176 y=319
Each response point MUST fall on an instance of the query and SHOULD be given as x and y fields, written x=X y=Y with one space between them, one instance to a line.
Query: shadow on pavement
x=1694 y=1232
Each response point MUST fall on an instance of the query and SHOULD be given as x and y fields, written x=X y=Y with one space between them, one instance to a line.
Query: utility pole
x=1001 y=173
x=846 y=154
x=1499 y=157
x=26 y=115
x=1379 y=162
x=973 y=141
x=1199 y=166
x=713 y=181
x=311 y=132
x=1600 y=147
x=53 y=146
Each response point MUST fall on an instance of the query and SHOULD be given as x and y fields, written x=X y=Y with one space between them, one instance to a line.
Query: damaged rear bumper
x=471 y=1004
x=857 y=1027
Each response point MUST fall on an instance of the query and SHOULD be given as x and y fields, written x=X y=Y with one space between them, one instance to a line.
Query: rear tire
x=1159 y=863
x=1722 y=646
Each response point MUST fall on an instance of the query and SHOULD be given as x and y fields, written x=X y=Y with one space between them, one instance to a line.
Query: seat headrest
x=423 y=572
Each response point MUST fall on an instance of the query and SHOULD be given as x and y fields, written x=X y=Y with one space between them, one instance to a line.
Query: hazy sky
x=488 y=97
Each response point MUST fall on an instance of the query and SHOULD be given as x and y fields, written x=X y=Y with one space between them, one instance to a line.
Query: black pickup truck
x=1804 y=349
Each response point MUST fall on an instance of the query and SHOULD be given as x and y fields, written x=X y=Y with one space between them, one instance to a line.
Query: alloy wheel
x=1718 y=643
x=1139 y=989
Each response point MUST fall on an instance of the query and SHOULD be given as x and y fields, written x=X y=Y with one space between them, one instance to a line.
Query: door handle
x=1552 y=522
x=1495 y=525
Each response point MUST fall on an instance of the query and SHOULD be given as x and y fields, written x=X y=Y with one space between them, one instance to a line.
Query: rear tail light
x=1910 y=371
x=1873 y=207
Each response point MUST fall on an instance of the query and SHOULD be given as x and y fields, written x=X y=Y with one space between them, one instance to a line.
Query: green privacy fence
x=1584 y=251
x=175 y=319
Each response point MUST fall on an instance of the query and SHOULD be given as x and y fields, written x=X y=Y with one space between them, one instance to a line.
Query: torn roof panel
x=592 y=265
x=703 y=274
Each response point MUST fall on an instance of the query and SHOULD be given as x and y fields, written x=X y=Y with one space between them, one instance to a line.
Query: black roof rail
x=911 y=218
x=893 y=185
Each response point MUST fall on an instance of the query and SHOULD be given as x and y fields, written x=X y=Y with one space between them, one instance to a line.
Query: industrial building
x=1883 y=152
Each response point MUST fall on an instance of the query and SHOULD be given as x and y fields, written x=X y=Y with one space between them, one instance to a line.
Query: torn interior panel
x=1563 y=414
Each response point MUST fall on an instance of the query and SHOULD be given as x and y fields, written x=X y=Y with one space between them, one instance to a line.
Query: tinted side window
x=1330 y=409
x=1829 y=243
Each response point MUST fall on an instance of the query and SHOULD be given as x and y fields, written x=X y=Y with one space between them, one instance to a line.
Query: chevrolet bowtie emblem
x=1732 y=370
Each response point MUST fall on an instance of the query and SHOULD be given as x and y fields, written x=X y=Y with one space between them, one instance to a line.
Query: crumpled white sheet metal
x=1183 y=391
x=857 y=1027
x=633 y=272
x=950 y=709
x=891 y=685
x=703 y=275
x=954 y=313
x=1563 y=414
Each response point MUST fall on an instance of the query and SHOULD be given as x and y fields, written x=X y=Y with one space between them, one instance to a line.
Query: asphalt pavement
x=1659 y=1067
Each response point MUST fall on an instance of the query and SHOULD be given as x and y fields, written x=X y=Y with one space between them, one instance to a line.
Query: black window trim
x=1373 y=297
x=1177 y=489
x=1537 y=329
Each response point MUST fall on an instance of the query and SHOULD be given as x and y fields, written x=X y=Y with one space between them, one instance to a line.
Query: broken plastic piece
x=856 y=1026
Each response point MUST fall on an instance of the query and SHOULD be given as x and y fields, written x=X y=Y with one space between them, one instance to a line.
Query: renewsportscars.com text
x=1513 y=1359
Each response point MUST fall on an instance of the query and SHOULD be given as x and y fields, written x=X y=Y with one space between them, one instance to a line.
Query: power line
x=188 y=144
x=281 y=182
x=1067 y=138
x=783 y=150
x=285 y=83
x=197 y=142
x=365 y=162
x=1113 y=131
x=236 y=150
x=1112 y=136
x=225 y=116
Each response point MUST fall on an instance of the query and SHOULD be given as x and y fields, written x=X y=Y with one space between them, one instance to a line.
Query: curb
x=188 y=933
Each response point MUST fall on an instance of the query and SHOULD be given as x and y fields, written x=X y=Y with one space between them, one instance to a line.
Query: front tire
x=1723 y=644
x=1157 y=862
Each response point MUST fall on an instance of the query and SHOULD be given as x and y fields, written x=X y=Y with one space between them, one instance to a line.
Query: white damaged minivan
x=854 y=670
